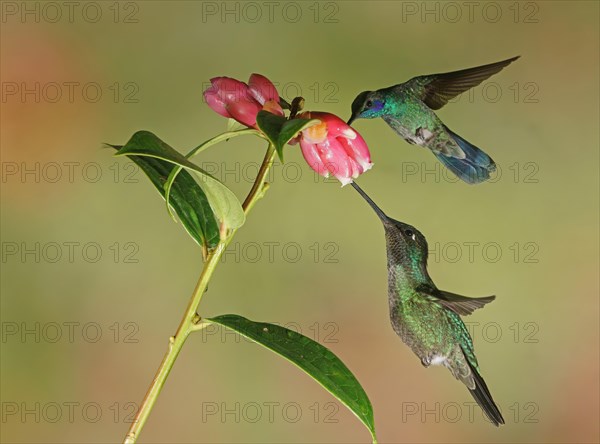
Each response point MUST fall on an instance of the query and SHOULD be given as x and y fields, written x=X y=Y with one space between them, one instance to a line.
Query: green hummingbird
x=408 y=109
x=428 y=319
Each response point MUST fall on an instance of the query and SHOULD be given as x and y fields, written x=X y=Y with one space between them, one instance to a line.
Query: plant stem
x=259 y=186
x=191 y=319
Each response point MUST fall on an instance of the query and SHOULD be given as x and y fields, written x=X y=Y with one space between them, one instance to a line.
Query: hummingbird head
x=404 y=242
x=367 y=105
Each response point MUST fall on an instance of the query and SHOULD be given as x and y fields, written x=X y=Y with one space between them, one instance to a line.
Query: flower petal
x=244 y=111
x=315 y=133
x=214 y=102
x=273 y=107
x=230 y=90
x=262 y=89
x=335 y=126
x=357 y=170
x=358 y=150
x=313 y=158
x=336 y=159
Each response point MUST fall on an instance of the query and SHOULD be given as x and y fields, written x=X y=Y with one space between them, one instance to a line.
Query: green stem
x=191 y=320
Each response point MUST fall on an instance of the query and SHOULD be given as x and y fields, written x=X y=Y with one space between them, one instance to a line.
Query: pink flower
x=333 y=147
x=240 y=101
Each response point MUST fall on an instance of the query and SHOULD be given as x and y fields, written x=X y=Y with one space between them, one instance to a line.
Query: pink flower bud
x=237 y=100
x=225 y=91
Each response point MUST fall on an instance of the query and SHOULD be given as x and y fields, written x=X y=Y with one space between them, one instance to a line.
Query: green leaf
x=223 y=202
x=271 y=125
x=210 y=142
x=279 y=130
x=317 y=361
x=187 y=198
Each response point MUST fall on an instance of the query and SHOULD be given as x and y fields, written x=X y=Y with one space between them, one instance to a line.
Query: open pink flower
x=333 y=147
x=240 y=101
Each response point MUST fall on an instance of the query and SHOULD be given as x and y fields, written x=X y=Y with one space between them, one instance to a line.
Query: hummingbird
x=426 y=318
x=409 y=109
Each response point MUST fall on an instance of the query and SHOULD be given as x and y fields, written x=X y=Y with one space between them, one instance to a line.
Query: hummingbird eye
x=409 y=233
x=368 y=104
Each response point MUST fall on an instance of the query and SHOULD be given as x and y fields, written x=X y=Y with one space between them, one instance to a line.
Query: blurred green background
x=95 y=276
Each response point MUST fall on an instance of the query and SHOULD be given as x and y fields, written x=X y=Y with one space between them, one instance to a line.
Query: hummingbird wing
x=461 y=305
x=437 y=89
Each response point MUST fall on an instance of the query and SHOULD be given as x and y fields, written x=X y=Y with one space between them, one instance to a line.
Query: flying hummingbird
x=408 y=109
x=428 y=319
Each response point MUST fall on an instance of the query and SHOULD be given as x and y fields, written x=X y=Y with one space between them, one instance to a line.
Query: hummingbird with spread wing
x=409 y=109
x=426 y=318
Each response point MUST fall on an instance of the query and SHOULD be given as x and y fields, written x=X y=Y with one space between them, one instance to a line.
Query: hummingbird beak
x=373 y=205
x=351 y=119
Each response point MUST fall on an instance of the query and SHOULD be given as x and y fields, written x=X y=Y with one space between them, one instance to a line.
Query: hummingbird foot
x=433 y=360
x=423 y=136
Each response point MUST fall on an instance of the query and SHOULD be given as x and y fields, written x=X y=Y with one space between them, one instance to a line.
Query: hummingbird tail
x=482 y=395
x=474 y=168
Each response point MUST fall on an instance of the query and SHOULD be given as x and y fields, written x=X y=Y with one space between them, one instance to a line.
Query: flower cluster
x=330 y=147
